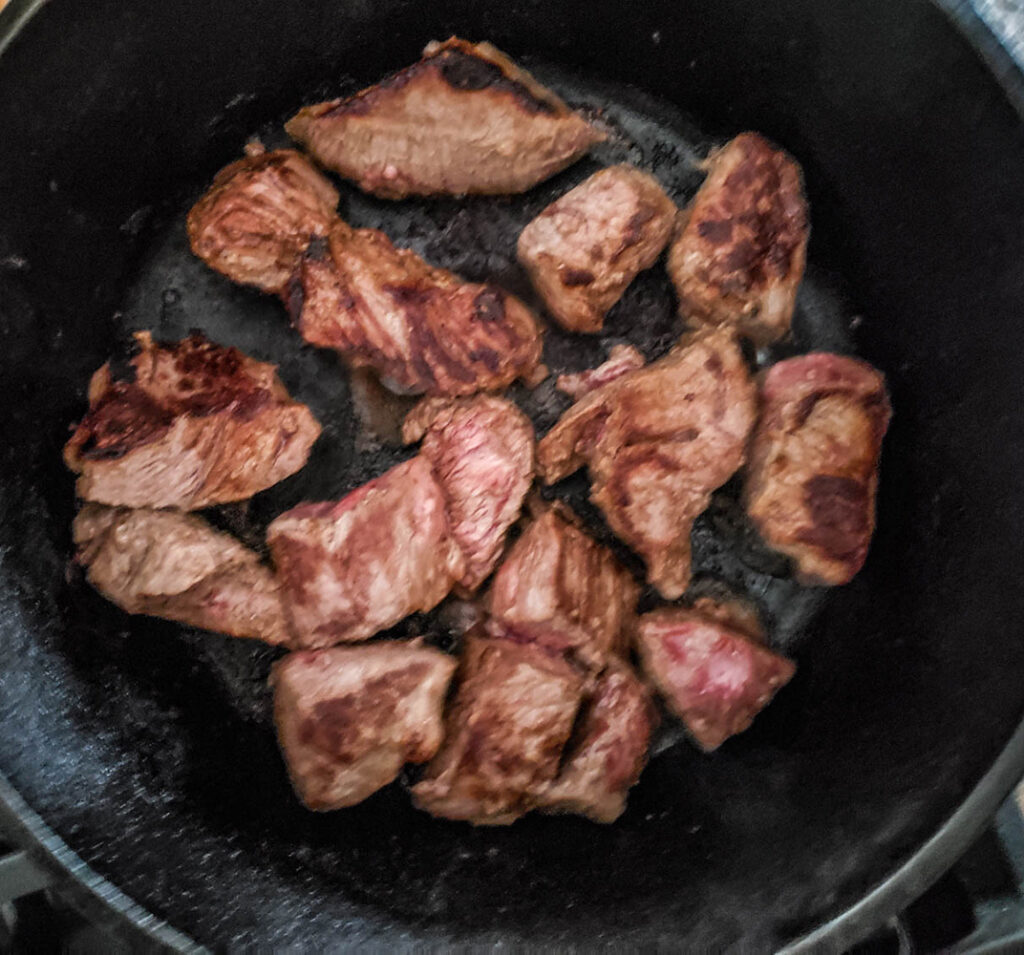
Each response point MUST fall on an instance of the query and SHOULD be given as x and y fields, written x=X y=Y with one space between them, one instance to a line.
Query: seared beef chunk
x=621 y=359
x=715 y=678
x=740 y=249
x=481 y=450
x=401 y=542
x=421 y=328
x=464 y=119
x=658 y=441
x=173 y=565
x=610 y=749
x=585 y=248
x=199 y=425
x=514 y=712
x=349 y=718
x=359 y=565
x=814 y=463
x=260 y=215
x=557 y=577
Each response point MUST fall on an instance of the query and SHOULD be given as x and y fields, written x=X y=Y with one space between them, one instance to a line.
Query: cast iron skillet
x=145 y=749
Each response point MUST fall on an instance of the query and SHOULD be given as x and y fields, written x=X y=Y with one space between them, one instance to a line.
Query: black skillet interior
x=148 y=747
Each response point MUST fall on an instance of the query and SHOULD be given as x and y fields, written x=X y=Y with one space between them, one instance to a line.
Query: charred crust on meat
x=716 y=231
x=840 y=516
x=487 y=357
x=489 y=305
x=461 y=69
x=414 y=302
x=634 y=231
x=772 y=215
x=740 y=247
x=318 y=248
x=584 y=249
x=211 y=426
x=253 y=162
x=408 y=296
x=217 y=378
x=295 y=298
x=210 y=380
x=464 y=71
x=617 y=484
x=742 y=259
x=197 y=355
x=124 y=418
x=875 y=404
x=807 y=404
x=426 y=343
x=297 y=562
x=571 y=277
x=343 y=726
x=444 y=319
x=684 y=436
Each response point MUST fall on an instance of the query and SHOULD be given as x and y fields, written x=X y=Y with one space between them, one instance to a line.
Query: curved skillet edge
x=926 y=865
x=90 y=893
x=996 y=57
x=14 y=16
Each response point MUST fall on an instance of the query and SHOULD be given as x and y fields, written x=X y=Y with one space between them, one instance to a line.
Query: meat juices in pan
x=741 y=245
x=585 y=248
x=481 y=450
x=173 y=565
x=199 y=424
x=421 y=328
x=714 y=677
x=351 y=568
x=260 y=215
x=657 y=441
x=556 y=575
x=609 y=751
x=813 y=471
x=349 y=718
x=504 y=734
x=464 y=119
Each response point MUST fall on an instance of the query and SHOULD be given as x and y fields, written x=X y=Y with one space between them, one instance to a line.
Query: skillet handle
x=21 y=875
